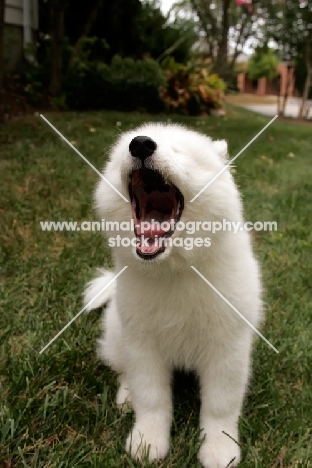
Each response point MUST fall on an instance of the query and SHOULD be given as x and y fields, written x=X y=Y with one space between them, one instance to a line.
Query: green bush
x=263 y=63
x=191 y=90
x=125 y=84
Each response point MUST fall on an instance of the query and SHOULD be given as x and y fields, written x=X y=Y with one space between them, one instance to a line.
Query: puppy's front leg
x=149 y=382
x=223 y=384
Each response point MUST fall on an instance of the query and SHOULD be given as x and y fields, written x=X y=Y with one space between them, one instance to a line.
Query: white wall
x=19 y=31
x=13 y=13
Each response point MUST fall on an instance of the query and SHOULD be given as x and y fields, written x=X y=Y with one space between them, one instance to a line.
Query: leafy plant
x=58 y=102
x=191 y=91
x=90 y=49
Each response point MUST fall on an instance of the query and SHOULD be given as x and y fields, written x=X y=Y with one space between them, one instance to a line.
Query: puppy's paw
x=217 y=453
x=147 y=442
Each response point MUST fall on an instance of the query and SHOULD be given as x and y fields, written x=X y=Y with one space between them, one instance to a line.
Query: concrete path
x=292 y=108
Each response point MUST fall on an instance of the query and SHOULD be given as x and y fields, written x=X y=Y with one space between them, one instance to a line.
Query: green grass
x=57 y=409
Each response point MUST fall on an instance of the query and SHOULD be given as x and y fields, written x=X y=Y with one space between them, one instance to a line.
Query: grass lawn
x=57 y=409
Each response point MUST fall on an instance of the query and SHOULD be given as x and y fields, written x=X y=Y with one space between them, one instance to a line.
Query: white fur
x=162 y=315
x=95 y=288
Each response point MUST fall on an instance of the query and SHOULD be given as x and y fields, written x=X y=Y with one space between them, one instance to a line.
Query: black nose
x=141 y=147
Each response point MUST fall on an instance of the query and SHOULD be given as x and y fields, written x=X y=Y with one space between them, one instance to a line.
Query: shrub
x=125 y=84
x=85 y=85
x=191 y=91
x=263 y=63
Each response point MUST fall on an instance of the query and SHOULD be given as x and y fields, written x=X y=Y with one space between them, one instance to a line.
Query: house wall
x=14 y=31
x=263 y=87
x=13 y=47
x=13 y=13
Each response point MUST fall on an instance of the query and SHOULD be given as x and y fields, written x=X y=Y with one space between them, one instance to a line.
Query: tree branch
x=239 y=41
x=199 y=9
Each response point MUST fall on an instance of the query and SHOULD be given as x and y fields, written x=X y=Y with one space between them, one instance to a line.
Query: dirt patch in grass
x=296 y=121
x=242 y=98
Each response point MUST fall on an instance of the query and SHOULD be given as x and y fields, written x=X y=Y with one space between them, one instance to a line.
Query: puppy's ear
x=221 y=148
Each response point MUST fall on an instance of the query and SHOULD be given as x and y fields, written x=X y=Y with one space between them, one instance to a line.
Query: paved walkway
x=292 y=108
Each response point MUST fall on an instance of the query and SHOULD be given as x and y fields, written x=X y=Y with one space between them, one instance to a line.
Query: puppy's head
x=160 y=169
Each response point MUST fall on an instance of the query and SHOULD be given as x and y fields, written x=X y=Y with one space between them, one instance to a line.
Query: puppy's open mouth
x=157 y=206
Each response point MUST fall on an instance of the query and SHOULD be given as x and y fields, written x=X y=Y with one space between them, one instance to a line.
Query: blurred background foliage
x=123 y=55
x=128 y=55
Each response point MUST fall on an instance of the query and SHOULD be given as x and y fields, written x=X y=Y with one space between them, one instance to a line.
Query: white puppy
x=162 y=315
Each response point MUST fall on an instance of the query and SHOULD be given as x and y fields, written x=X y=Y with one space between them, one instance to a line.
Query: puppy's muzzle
x=142 y=147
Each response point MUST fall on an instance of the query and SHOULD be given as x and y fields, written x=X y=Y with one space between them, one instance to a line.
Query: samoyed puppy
x=170 y=308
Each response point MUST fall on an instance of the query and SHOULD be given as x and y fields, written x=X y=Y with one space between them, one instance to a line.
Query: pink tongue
x=151 y=226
